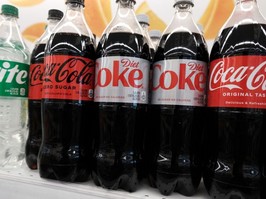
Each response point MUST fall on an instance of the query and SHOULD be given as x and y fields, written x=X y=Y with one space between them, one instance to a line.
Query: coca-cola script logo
x=238 y=82
x=243 y=77
x=36 y=76
x=128 y=74
x=73 y=70
x=191 y=75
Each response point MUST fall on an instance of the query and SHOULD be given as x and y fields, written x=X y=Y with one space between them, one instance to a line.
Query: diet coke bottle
x=178 y=105
x=122 y=83
x=236 y=106
x=67 y=99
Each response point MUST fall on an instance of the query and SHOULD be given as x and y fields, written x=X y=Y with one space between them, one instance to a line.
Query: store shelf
x=26 y=184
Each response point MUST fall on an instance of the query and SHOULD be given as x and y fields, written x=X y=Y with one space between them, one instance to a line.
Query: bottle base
x=31 y=161
x=168 y=183
x=126 y=182
x=222 y=190
x=68 y=173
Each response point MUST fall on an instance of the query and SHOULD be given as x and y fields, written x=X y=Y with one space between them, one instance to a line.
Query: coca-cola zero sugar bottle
x=122 y=83
x=236 y=106
x=68 y=114
x=35 y=90
x=178 y=105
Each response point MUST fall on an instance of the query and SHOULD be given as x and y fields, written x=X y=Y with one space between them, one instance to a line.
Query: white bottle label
x=122 y=79
x=179 y=82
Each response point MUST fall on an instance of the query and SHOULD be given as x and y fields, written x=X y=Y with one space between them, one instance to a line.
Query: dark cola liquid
x=35 y=126
x=68 y=125
x=235 y=140
x=173 y=145
x=119 y=150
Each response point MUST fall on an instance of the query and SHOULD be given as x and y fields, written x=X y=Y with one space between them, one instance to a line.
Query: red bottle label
x=35 y=88
x=68 y=77
x=238 y=82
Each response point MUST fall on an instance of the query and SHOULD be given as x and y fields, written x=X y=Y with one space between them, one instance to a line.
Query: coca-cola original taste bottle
x=67 y=105
x=35 y=90
x=178 y=105
x=122 y=83
x=237 y=102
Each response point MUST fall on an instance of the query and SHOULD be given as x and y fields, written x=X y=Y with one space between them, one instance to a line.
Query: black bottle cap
x=127 y=0
x=55 y=14
x=81 y=2
x=191 y=2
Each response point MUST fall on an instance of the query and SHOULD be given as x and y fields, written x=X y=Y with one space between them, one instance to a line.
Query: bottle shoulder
x=245 y=12
x=182 y=45
x=73 y=22
x=14 y=51
x=123 y=44
x=182 y=22
x=71 y=44
x=246 y=39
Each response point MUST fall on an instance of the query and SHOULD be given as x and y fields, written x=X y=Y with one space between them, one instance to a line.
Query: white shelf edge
x=28 y=185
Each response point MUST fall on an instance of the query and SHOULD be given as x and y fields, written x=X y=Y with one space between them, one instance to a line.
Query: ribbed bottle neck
x=244 y=1
x=183 y=19
x=74 y=9
x=245 y=12
x=125 y=4
x=9 y=28
x=183 y=7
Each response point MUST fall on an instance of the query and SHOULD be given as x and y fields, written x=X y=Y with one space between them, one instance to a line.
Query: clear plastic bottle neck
x=10 y=31
x=125 y=19
x=245 y=12
x=183 y=8
x=48 y=31
x=74 y=21
x=74 y=10
x=145 y=27
x=244 y=1
x=182 y=20
x=125 y=4
x=51 y=25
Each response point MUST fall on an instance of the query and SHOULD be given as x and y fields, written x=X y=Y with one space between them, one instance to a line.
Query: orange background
x=210 y=14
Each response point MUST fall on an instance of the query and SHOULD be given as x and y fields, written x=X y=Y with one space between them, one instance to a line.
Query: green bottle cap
x=9 y=10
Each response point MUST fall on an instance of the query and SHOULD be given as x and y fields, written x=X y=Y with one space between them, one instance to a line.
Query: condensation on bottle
x=14 y=69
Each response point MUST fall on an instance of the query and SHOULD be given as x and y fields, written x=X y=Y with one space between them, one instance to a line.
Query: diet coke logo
x=191 y=76
x=125 y=73
x=241 y=77
x=72 y=70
